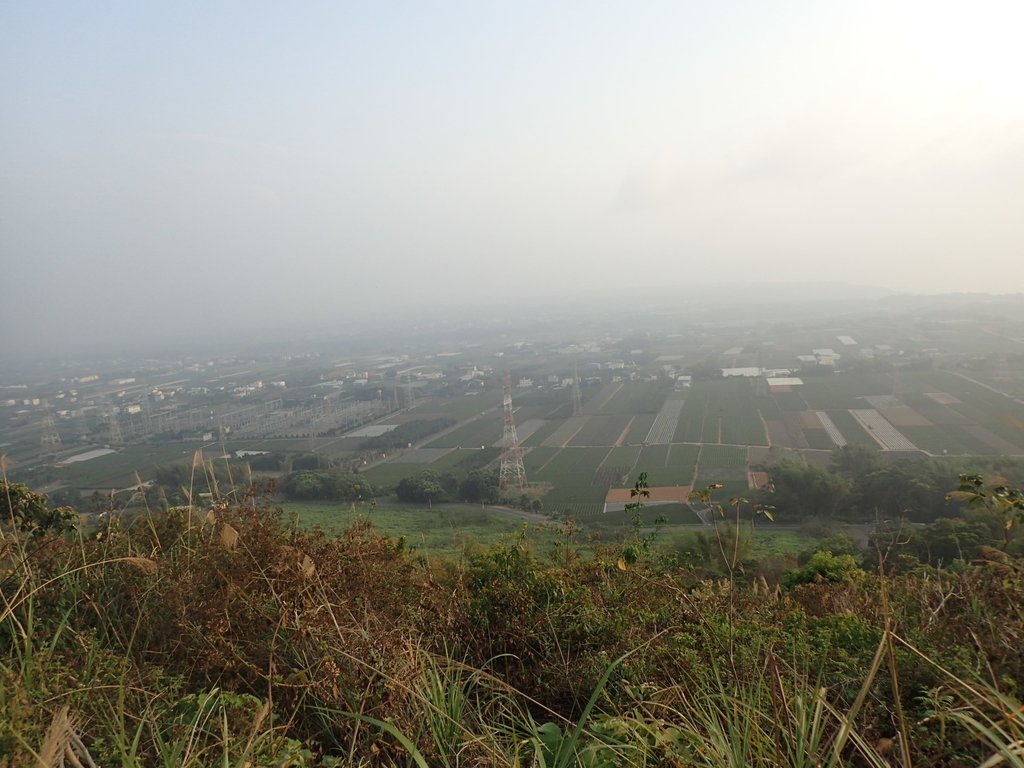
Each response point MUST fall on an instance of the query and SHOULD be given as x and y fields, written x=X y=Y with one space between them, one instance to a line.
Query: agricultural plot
x=691 y=420
x=934 y=407
x=541 y=434
x=117 y=470
x=618 y=466
x=946 y=440
x=535 y=458
x=766 y=405
x=844 y=391
x=527 y=413
x=653 y=460
x=573 y=465
x=818 y=439
x=995 y=442
x=664 y=427
x=524 y=430
x=831 y=429
x=896 y=412
x=851 y=429
x=995 y=413
x=574 y=474
x=459 y=462
x=602 y=429
x=484 y=430
x=942 y=398
x=461 y=407
x=743 y=426
x=639 y=428
x=565 y=432
x=597 y=403
x=789 y=401
x=928 y=381
x=890 y=438
x=731 y=405
x=733 y=481
x=723 y=456
x=778 y=435
x=1010 y=381
x=421 y=455
x=794 y=422
x=385 y=476
x=328 y=446
x=682 y=458
x=464 y=461
x=638 y=397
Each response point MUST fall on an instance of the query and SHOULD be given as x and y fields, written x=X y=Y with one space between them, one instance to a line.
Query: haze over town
x=172 y=171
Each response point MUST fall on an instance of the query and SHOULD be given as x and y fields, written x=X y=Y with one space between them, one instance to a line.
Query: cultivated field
x=712 y=431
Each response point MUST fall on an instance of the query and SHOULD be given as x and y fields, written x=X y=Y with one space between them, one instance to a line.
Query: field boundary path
x=625 y=432
x=764 y=426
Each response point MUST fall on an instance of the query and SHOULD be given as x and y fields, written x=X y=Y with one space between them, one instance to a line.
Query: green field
x=574 y=474
x=481 y=431
x=720 y=419
x=691 y=420
x=117 y=470
x=450 y=529
x=732 y=413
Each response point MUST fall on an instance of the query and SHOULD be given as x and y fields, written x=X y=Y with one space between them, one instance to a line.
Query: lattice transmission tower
x=114 y=427
x=574 y=396
x=512 y=473
x=49 y=438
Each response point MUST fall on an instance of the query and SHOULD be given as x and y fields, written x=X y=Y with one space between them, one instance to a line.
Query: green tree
x=855 y=460
x=422 y=488
x=480 y=486
x=30 y=512
x=824 y=566
x=801 y=491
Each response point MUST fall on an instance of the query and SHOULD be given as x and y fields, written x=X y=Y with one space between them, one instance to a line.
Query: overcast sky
x=165 y=166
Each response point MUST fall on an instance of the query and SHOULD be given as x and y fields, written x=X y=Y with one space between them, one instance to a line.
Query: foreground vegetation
x=231 y=635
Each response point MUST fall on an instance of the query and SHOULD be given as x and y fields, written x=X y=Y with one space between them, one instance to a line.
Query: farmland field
x=542 y=434
x=574 y=474
x=691 y=420
x=711 y=431
x=117 y=470
x=850 y=428
x=620 y=465
x=448 y=529
x=484 y=430
x=597 y=402
x=640 y=428
x=731 y=406
x=701 y=434
x=638 y=397
x=722 y=456
x=664 y=427
x=602 y=429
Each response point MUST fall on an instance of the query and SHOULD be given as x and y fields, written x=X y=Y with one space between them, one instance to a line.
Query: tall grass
x=225 y=635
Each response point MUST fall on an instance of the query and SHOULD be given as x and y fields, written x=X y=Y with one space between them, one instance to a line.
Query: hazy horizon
x=170 y=169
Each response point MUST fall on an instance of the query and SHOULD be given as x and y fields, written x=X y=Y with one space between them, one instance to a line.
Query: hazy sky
x=165 y=166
